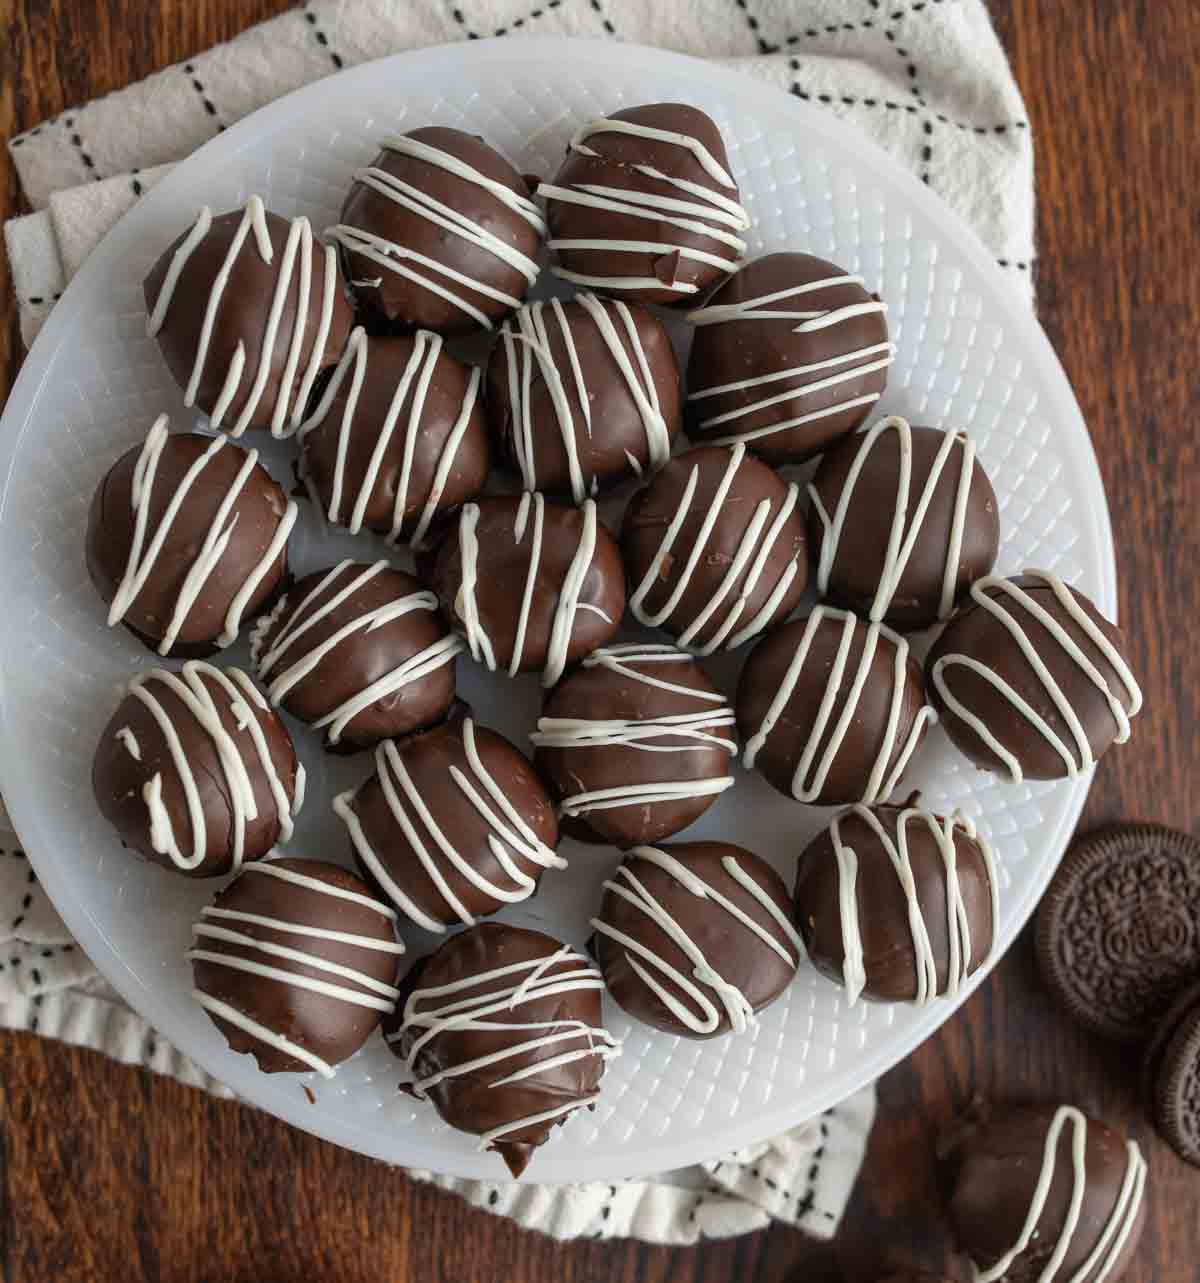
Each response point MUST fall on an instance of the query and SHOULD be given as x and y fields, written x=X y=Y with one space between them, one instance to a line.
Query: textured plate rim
x=752 y=97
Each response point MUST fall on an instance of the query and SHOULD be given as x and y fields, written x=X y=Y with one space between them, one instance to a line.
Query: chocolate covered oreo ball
x=902 y=521
x=789 y=356
x=359 y=652
x=644 y=206
x=186 y=537
x=637 y=742
x=1030 y=679
x=1045 y=1193
x=831 y=709
x=439 y=233
x=501 y=1029
x=583 y=394
x=897 y=904
x=715 y=549
x=454 y=824
x=695 y=938
x=529 y=584
x=398 y=439
x=248 y=309
x=295 y=962
x=195 y=772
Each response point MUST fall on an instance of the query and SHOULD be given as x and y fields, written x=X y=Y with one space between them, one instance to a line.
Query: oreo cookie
x=1171 y=1075
x=1118 y=932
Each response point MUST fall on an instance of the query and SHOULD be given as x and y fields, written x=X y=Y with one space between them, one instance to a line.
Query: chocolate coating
x=262 y=1014
x=892 y=958
x=637 y=742
x=986 y=722
x=658 y=269
x=436 y=274
x=856 y=493
x=458 y=786
x=851 y=750
x=703 y=937
x=554 y=995
x=526 y=595
x=359 y=652
x=259 y=508
x=582 y=394
x=134 y=756
x=241 y=320
x=730 y=349
x=734 y=566
x=404 y=449
x=995 y=1173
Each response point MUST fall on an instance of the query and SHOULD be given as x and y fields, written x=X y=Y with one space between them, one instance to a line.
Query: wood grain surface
x=111 y=1174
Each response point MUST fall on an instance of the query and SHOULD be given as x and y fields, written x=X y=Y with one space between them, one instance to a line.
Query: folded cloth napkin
x=927 y=80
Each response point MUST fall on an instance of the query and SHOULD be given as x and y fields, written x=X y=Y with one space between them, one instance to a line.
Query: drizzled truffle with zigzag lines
x=248 y=309
x=789 y=356
x=644 y=206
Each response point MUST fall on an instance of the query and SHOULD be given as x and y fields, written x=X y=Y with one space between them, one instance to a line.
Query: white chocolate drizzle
x=567 y=605
x=699 y=210
x=704 y=1017
x=1103 y=1258
x=873 y=357
x=191 y=687
x=684 y=731
x=527 y=338
x=298 y=254
x=281 y=670
x=416 y=377
x=748 y=565
x=394 y=257
x=453 y=1008
x=1077 y=755
x=943 y=830
x=510 y=839
x=812 y=769
x=903 y=533
x=129 y=740
x=212 y=927
x=146 y=547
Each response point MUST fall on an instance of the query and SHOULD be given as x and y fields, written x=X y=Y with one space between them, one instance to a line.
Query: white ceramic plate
x=970 y=356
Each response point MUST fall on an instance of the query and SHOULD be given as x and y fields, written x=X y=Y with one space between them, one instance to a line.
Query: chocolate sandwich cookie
x=1171 y=1075
x=1119 y=930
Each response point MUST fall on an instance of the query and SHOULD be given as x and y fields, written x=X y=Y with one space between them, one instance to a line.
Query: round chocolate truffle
x=695 y=938
x=248 y=309
x=195 y=772
x=501 y=1029
x=637 y=742
x=583 y=394
x=903 y=521
x=716 y=548
x=789 y=356
x=295 y=962
x=897 y=904
x=1030 y=679
x=644 y=206
x=1042 y=1193
x=187 y=534
x=454 y=824
x=530 y=584
x=359 y=652
x=400 y=444
x=439 y=233
x=831 y=709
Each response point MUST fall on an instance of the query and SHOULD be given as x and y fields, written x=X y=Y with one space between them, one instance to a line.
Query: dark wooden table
x=111 y=1174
